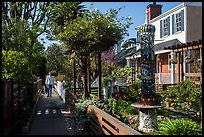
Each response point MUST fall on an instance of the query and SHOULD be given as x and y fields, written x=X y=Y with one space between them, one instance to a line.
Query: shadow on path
x=52 y=118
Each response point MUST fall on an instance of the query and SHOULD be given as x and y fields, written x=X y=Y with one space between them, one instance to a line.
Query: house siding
x=181 y=36
x=164 y=63
x=191 y=30
x=194 y=23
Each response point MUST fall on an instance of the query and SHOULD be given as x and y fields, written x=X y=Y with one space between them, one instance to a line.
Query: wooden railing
x=36 y=89
x=196 y=77
x=103 y=123
x=15 y=98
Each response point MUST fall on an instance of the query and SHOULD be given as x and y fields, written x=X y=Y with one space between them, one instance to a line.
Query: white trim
x=184 y=64
x=167 y=12
x=173 y=68
x=162 y=51
x=127 y=58
x=130 y=57
x=185 y=22
x=137 y=56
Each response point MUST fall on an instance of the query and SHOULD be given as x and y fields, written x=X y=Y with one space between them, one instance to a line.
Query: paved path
x=51 y=118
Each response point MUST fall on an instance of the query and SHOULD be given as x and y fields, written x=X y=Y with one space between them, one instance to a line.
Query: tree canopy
x=93 y=32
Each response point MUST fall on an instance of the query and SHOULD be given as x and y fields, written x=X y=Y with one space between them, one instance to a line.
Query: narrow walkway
x=51 y=118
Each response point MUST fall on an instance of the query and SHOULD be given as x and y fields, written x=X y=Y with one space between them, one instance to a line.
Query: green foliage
x=159 y=97
x=185 y=96
x=92 y=32
x=15 y=36
x=57 y=17
x=128 y=114
x=20 y=31
x=123 y=72
x=133 y=121
x=55 y=58
x=107 y=79
x=119 y=107
x=23 y=28
x=39 y=65
x=133 y=93
x=179 y=127
x=15 y=65
x=81 y=116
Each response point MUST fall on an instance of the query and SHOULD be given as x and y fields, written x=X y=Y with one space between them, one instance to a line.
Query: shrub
x=133 y=93
x=15 y=65
x=178 y=127
x=81 y=116
x=186 y=96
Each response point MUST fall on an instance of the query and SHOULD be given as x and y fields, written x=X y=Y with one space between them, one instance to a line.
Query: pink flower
x=133 y=120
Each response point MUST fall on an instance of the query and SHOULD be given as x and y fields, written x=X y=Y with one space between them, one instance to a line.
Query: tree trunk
x=74 y=66
x=99 y=75
x=89 y=77
x=85 y=88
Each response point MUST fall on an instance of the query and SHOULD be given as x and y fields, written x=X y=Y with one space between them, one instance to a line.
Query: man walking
x=49 y=82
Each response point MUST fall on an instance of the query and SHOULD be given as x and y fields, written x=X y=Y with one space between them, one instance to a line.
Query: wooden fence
x=14 y=99
x=102 y=123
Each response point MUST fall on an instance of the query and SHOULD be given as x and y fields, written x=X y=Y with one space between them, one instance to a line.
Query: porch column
x=179 y=62
x=184 y=64
x=128 y=61
x=136 y=68
x=182 y=72
x=172 y=69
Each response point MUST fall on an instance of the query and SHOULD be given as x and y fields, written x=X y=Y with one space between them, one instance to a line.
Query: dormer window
x=178 y=22
x=165 y=27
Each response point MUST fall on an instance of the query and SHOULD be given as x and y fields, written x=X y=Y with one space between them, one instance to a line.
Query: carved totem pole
x=146 y=33
x=147 y=105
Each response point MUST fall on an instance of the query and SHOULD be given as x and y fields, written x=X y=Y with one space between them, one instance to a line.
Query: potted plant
x=189 y=59
x=168 y=102
x=173 y=60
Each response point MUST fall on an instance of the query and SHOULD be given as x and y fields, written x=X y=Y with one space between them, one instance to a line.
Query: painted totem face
x=147 y=39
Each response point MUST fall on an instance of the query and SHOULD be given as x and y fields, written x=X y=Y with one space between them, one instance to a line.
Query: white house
x=181 y=24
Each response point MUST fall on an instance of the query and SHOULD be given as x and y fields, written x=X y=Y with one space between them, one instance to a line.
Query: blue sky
x=134 y=9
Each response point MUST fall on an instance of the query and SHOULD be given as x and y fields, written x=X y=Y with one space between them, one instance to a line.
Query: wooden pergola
x=179 y=50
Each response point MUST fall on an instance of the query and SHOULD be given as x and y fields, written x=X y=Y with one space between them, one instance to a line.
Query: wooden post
x=182 y=65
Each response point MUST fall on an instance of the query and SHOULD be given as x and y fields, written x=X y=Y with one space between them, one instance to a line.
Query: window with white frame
x=165 y=27
x=178 y=22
